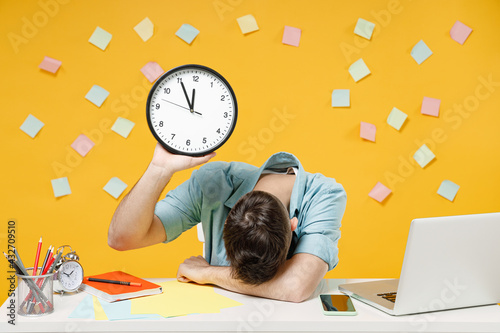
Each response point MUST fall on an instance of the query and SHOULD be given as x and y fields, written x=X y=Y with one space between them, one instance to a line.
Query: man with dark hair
x=270 y=231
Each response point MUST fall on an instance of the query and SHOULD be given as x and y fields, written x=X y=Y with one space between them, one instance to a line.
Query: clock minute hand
x=187 y=98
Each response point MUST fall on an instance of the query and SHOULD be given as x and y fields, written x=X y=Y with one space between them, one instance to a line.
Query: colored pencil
x=37 y=257
x=125 y=283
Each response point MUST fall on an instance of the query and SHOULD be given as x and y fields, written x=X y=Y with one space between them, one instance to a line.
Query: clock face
x=191 y=110
x=70 y=275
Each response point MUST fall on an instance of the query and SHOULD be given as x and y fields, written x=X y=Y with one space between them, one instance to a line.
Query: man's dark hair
x=257 y=237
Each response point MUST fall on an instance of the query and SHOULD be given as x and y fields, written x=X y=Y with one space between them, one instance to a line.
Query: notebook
x=115 y=292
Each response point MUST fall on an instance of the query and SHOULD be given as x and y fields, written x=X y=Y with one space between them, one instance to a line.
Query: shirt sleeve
x=320 y=229
x=180 y=210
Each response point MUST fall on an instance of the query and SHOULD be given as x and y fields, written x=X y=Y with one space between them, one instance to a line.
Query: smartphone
x=337 y=305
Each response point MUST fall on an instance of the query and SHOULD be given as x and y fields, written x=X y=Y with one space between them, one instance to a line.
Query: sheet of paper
x=396 y=118
x=100 y=38
x=423 y=156
x=368 y=131
x=115 y=187
x=145 y=29
x=50 y=64
x=152 y=71
x=291 y=36
x=31 y=125
x=430 y=106
x=84 y=310
x=187 y=33
x=98 y=310
x=364 y=28
x=121 y=311
x=460 y=32
x=448 y=190
x=341 y=98
x=359 y=70
x=97 y=95
x=60 y=186
x=379 y=192
x=247 y=24
x=82 y=145
x=180 y=299
x=123 y=126
x=421 y=52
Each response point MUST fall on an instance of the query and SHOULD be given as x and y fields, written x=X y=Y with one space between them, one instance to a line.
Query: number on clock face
x=191 y=110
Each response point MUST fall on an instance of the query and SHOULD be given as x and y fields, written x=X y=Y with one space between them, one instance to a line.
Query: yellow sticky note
x=98 y=310
x=247 y=24
x=145 y=29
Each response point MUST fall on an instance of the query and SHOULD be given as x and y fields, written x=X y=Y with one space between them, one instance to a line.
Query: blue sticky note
x=448 y=190
x=60 y=186
x=100 y=38
x=31 y=126
x=115 y=187
x=421 y=52
x=123 y=126
x=341 y=98
x=122 y=311
x=187 y=33
x=84 y=310
x=97 y=95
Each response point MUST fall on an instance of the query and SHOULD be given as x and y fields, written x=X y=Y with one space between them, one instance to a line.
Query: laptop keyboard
x=391 y=297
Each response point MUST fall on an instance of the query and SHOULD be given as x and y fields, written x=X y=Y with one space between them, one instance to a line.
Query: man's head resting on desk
x=257 y=236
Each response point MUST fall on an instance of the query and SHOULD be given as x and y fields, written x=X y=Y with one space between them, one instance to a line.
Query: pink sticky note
x=152 y=71
x=367 y=131
x=379 y=192
x=291 y=36
x=460 y=32
x=82 y=144
x=50 y=65
x=430 y=106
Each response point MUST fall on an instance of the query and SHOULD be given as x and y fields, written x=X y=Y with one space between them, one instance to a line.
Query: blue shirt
x=318 y=203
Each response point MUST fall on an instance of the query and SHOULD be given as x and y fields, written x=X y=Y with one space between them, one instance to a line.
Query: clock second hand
x=180 y=106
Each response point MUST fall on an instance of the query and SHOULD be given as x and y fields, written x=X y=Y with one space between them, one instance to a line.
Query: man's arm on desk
x=295 y=282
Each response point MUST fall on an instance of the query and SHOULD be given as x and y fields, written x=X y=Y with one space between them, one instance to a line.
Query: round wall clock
x=191 y=110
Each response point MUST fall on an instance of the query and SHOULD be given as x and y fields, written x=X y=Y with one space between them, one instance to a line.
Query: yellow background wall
x=284 y=97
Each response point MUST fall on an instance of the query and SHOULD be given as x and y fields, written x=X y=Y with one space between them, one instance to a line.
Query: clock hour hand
x=192 y=102
x=187 y=98
x=180 y=106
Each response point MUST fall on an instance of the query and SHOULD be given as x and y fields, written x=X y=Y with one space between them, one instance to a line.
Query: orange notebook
x=116 y=292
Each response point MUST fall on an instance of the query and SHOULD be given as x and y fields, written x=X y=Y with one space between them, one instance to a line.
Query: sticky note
x=423 y=156
x=115 y=187
x=187 y=33
x=421 y=52
x=396 y=118
x=31 y=126
x=82 y=145
x=448 y=189
x=152 y=71
x=122 y=311
x=50 y=64
x=85 y=309
x=379 y=192
x=60 y=186
x=460 y=32
x=364 y=28
x=367 y=131
x=430 y=106
x=145 y=29
x=97 y=95
x=247 y=24
x=291 y=36
x=359 y=70
x=341 y=98
x=122 y=126
x=100 y=38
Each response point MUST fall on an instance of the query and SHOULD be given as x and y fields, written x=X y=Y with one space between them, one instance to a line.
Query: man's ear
x=293 y=223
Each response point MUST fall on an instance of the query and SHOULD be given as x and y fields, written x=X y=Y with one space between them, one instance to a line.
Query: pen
x=37 y=257
x=125 y=283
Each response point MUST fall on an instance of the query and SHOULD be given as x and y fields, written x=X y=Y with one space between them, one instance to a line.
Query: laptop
x=450 y=262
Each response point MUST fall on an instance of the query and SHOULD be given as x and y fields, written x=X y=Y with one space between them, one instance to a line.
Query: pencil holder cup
x=34 y=294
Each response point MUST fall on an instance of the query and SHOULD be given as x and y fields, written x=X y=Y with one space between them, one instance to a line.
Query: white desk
x=262 y=315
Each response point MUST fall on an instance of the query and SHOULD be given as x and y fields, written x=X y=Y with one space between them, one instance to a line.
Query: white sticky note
x=364 y=28
x=115 y=187
x=359 y=70
x=123 y=126
x=423 y=156
x=247 y=24
x=145 y=29
x=341 y=98
x=421 y=52
x=460 y=32
x=97 y=95
x=448 y=189
x=187 y=33
x=152 y=71
x=100 y=38
x=430 y=106
x=379 y=192
x=31 y=125
x=291 y=36
x=368 y=131
x=60 y=186
x=50 y=64
x=82 y=145
x=396 y=118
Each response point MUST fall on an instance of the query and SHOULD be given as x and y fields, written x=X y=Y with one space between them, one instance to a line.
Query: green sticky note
x=31 y=126
x=423 y=156
x=396 y=118
x=364 y=28
x=115 y=187
x=187 y=33
x=100 y=38
x=97 y=95
x=60 y=186
x=359 y=70
x=123 y=126
x=448 y=190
